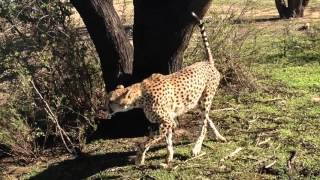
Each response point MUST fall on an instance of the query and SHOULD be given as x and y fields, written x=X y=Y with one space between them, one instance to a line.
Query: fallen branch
x=190 y=159
x=263 y=142
x=316 y=99
x=271 y=164
x=291 y=160
x=207 y=146
x=263 y=160
x=62 y=133
x=231 y=154
x=269 y=100
x=114 y=169
x=224 y=109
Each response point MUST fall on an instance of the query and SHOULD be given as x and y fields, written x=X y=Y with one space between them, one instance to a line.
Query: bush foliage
x=229 y=35
x=41 y=44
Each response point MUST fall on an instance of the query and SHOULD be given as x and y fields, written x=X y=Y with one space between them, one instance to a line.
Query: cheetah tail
x=204 y=36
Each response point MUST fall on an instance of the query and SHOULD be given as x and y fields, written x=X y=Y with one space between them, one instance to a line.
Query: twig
x=12 y=27
x=114 y=169
x=263 y=142
x=269 y=100
x=190 y=159
x=224 y=109
x=231 y=154
x=79 y=114
x=271 y=164
x=315 y=99
x=292 y=159
x=207 y=146
x=48 y=110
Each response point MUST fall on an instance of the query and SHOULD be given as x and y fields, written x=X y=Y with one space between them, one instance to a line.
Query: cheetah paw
x=139 y=162
x=221 y=138
x=196 y=151
x=165 y=165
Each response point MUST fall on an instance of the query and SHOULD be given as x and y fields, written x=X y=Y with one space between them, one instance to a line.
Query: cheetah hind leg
x=205 y=106
x=197 y=147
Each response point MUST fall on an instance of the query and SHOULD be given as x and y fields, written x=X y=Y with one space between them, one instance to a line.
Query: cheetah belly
x=186 y=105
x=188 y=100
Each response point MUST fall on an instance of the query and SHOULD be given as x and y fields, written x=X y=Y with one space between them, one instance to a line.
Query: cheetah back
x=179 y=92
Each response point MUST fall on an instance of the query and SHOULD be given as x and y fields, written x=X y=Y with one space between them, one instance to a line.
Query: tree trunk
x=282 y=8
x=116 y=57
x=111 y=42
x=294 y=9
x=304 y=5
x=162 y=30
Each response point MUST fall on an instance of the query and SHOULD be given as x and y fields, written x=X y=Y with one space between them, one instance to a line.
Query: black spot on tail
x=204 y=37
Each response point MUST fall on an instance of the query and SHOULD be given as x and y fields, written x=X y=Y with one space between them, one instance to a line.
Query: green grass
x=300 y=77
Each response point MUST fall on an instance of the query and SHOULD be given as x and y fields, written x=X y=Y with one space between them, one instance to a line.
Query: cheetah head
x=124 y=99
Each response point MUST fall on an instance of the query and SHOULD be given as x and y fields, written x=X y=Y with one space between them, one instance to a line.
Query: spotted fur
x=164 y=97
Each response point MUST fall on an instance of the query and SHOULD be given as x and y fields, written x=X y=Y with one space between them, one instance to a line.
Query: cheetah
x=164 y=97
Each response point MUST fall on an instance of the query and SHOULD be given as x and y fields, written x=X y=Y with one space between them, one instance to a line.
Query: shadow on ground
x=85 y=166
x=257 y=20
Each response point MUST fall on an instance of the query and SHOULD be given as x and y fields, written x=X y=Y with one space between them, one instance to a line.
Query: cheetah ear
x=120 y=86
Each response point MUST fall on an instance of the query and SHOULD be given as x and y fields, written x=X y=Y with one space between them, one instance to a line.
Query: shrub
x=228 y=37
x=41 y=45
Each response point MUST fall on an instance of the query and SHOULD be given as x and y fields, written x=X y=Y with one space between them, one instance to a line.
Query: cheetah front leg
x=169 y=146
x=165 y=130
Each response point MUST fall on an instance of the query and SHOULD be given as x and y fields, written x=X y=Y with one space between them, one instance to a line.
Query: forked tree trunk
x=111 y=42
x=161 y=33
x=295 y=8
x=116 y=58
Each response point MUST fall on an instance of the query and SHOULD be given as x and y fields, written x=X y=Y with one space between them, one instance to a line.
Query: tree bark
x=162 y=31
x=294 y=9
x=111 y=42
x=282 y=8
